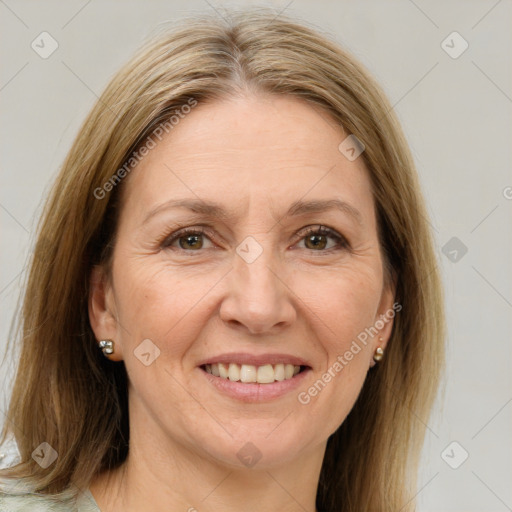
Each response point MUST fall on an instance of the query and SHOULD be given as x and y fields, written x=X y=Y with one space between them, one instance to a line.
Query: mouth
x=254 y=374
x=255 y=378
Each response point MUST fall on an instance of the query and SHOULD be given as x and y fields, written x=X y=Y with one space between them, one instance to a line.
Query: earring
x=107 y=346
x=379 y=353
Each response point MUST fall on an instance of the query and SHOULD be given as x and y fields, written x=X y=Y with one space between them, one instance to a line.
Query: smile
x=248 y=373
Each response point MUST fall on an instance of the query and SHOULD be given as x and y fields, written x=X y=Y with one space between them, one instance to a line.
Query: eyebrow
x=214 y=210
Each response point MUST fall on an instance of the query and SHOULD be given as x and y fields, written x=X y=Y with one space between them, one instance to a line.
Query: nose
x=258 y=298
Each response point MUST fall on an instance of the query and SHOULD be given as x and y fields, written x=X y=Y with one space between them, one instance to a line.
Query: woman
x=234 y=302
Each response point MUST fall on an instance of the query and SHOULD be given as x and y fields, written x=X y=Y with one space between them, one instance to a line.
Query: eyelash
x=341 y=241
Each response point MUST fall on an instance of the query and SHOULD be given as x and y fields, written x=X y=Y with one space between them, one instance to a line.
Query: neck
x=178 y=478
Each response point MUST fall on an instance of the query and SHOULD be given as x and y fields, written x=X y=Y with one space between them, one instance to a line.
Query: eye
x=317 y=239
x=188 y=239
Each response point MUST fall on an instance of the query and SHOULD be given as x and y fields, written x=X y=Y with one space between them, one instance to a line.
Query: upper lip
x=256 y=360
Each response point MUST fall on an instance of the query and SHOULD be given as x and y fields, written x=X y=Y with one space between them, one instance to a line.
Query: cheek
x=161 y=303
x=344 y=312
x=169 y=303
x=346 y=302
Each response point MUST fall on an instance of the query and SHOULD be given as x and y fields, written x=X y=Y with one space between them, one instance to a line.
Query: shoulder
x=32 y=502
x=45 y=503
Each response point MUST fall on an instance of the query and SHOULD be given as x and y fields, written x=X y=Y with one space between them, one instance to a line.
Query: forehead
x=262 y=150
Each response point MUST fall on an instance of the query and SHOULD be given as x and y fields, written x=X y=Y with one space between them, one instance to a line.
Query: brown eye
x=189 y=240
x=318 y=239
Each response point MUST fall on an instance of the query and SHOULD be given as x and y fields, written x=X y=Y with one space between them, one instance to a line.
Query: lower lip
x=254 y=392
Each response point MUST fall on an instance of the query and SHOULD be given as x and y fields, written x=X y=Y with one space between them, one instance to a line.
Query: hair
x=66 y=393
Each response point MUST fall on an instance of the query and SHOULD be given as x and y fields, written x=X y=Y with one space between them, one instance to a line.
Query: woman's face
x=253 y=285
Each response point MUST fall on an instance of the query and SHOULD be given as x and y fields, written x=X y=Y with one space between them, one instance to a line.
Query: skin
x=255 y=156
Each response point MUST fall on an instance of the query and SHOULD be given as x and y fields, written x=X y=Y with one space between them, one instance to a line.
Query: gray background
x=456 y=113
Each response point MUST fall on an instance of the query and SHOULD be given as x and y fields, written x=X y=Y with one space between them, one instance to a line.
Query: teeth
x=223 y=370
x=234 y=372
x=265 y=374
x=248 y=373
x=279 y=372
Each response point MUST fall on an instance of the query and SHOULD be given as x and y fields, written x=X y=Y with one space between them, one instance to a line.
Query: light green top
x=17 y=496
x=83 y=502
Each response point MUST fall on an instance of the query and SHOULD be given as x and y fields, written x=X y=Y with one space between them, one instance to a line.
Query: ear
x=102 y=311
x=386 y=312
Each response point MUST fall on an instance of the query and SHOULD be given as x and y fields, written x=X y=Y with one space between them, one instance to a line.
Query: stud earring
x=379 y=353
x=107 y=346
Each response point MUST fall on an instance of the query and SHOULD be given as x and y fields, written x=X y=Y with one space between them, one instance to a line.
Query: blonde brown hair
x=68 y=395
